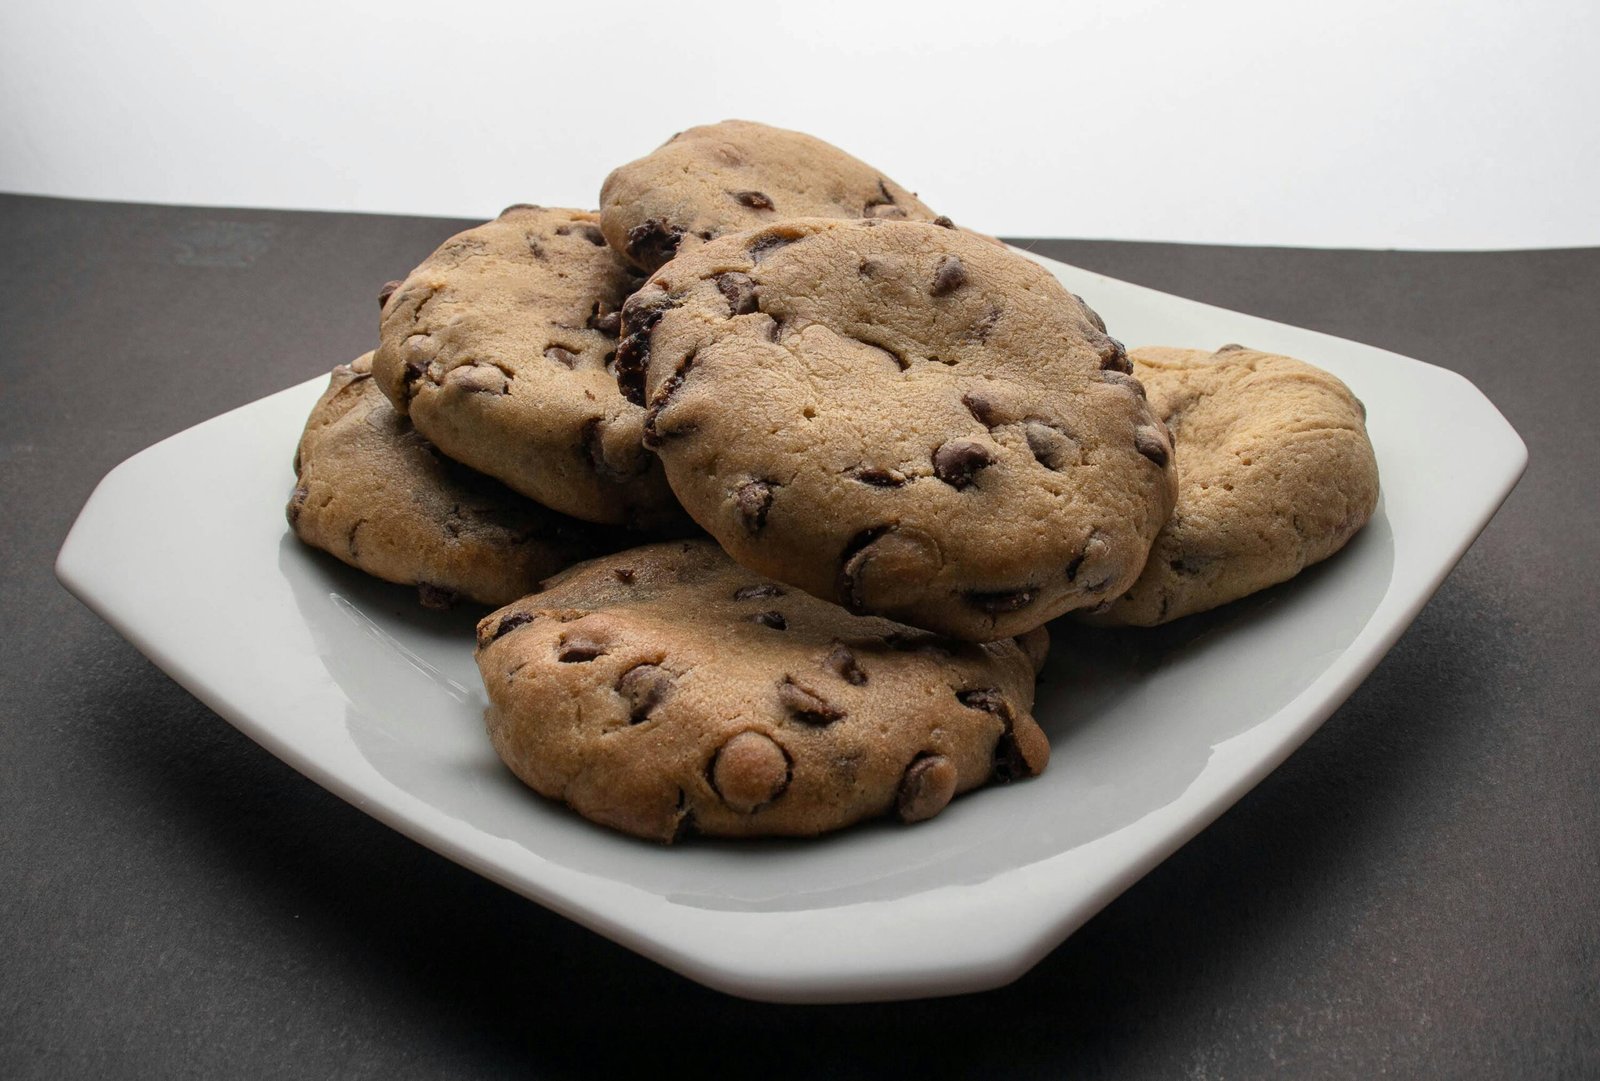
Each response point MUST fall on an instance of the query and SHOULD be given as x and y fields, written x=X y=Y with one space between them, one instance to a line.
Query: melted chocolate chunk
x=652 y=243
x=743 y=296
x=761 y=589
x=644 y=686
x=806 y=705
x=842 y=663
x=958 y=462
x=755 y=200
x=386 y=292
x=752 y=502
x=772 y=618
x=948 y=276
x=1152 y=444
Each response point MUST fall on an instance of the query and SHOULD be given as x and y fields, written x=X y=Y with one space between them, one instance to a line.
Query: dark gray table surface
x=1415 y=892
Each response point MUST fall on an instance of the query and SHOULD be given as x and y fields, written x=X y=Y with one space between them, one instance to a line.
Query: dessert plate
x=1153 y=733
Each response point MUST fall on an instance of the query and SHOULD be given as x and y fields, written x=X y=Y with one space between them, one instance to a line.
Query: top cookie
x=1275 y=472
x=901 y=418
x=723 y=178
x=500 y=347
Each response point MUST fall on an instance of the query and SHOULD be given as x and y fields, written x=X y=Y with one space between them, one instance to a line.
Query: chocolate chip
x=1001 y=601
x=767 y=243
x=760 y=589
x=806 y=705
x=1152 y=444
x=948 y=276
x=752 y=502
x=604 y=318
x=640 y=314
x=1231 y=347
x=755 y=200
x=988 y=699
x=1009 y=761
x=982 y=409
x=773 y=619
x=926 y=788
x=944 y=222
x=521 y=206
x=741 y=292
x=478 y=379
x=878 y=478
x=591 y=233
x=436 y=597
x=578 y=648
x=1052 y=447
x=842 y=663
x=386 y=292
x=297 y=501
x=645 y=686
x=958 y=461
x=509 y=624
x=653 y=435
x=750 y=771
x=625 y=575
x=852 y=561
x=1074 y=564
x=564 y=357
x=652 y=243
x=1113 y=357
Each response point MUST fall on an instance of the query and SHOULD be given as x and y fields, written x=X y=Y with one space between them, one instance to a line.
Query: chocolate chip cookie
x=664 y=690
x=902 y=419
x=374 y=493
x=736 y=175
x=500 y=347
x=1275 y=472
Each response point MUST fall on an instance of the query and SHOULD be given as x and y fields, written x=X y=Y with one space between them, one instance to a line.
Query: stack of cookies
x=775 y=477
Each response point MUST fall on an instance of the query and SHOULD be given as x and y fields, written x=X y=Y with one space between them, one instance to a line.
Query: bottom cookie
x=665 y=690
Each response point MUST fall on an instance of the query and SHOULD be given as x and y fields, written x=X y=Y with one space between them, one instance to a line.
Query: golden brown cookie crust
x=664 y=690
x=902 y=419
x=1275 y=472
x=737 y=175
x=501 y=346
x=378 y=496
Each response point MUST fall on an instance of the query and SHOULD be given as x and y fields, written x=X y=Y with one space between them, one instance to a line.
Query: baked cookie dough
x=902 y=419
x=666 y=690
x=500 y=348
x=378 y=496
x=1275 y=472
x=736 y=175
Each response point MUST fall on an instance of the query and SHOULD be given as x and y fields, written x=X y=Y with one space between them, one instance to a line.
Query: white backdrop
x=1362 y=123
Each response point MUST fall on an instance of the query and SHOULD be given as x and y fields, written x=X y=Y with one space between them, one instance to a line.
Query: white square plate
x=184 y=550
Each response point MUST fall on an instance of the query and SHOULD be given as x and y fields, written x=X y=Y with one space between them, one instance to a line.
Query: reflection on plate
x=1153 y=733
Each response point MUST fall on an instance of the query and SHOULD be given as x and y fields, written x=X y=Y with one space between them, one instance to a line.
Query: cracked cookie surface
x=900 y=418
x=737 y=175
x=665 y=690
x=1275 y=472
x=372 y=492
x=500 y=347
